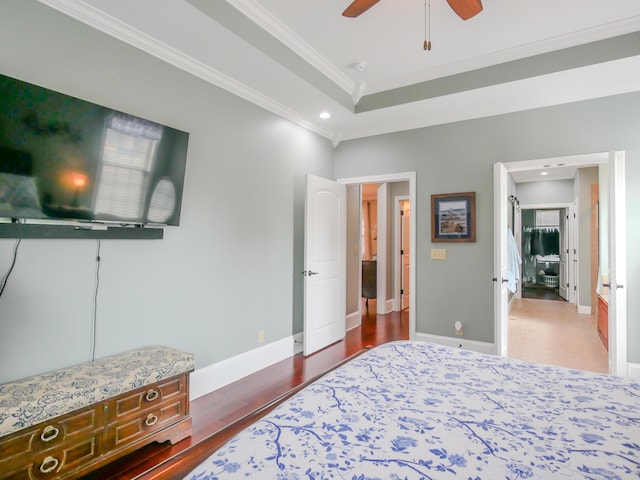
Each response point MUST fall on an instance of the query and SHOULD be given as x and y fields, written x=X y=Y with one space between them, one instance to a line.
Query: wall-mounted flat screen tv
x=62 y=158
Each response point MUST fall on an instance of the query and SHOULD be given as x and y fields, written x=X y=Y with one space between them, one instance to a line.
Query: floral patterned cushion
x=32 y=400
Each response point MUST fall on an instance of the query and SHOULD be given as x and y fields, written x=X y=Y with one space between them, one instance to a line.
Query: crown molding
x=110 y=25
x=265 y=20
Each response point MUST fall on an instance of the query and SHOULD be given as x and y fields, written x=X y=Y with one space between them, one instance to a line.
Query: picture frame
x=453 y=217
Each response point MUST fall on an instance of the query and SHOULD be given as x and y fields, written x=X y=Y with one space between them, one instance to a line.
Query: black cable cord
x=5 y=278
x=95 y=304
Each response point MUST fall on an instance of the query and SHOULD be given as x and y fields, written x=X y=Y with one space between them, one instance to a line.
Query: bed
x=416 y=410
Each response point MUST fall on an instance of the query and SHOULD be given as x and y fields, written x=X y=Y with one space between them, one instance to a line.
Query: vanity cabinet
x=603 y=320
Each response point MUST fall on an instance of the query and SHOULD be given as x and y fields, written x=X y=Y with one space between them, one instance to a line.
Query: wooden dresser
x=66 y=423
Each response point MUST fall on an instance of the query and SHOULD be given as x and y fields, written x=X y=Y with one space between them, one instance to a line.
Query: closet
x=541 y=265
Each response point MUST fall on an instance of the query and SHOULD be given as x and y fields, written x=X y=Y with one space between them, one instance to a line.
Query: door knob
x=309 y=273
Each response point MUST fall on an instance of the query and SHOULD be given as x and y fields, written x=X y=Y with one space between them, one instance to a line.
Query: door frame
x=618 y=321
x=392 y=178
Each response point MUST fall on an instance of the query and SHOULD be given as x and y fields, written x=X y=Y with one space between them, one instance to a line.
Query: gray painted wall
x=459 y=157
x=545 y=192
x=354 y=207
x=233 y=265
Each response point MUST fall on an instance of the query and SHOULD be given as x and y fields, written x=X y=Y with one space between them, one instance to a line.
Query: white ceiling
x=295 y=58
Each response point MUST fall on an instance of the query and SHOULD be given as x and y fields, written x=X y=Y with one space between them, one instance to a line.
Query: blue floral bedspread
x=414 y=410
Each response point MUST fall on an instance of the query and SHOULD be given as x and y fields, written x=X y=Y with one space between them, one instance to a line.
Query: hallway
x=553 y=333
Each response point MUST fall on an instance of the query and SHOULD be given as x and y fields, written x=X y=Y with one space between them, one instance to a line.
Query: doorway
x=369 y=243
x=616 y=256
x=385 y=238
x=544 y=232
x=402 y=229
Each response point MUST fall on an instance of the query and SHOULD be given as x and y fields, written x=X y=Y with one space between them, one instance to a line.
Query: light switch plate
x=438 y=254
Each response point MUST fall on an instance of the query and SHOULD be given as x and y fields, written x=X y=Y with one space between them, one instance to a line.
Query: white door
x=617 y=266
x=405 y=252
x=564 y=251
x=500 y=292
x=325 y=246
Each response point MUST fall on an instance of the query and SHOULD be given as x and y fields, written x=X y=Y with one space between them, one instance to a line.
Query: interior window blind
x=547 y=218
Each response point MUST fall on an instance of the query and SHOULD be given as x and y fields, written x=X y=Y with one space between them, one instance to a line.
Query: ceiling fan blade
x=358 y=7
x=466 y=8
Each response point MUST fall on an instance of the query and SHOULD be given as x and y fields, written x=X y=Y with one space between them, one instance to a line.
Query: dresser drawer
x=57 y=462
x=50 y=435
x=137 y=401
x=146 y=423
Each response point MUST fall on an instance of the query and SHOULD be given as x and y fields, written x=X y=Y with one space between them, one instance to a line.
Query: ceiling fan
x=464 y=8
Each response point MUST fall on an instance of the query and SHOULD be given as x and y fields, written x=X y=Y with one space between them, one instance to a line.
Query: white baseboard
x=389 y=306
x=473 y=345
x=298 y=343
x=210 y=378
x=633 y=370
x=584 y=309
x=353 y=320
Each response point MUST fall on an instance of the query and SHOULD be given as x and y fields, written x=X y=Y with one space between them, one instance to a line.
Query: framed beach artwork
x=453 y=217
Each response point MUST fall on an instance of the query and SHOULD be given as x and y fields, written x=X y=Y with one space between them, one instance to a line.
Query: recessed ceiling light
x=325 y=115
x=544 y=173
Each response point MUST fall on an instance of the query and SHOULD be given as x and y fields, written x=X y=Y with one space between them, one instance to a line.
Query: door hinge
x=401 y=212
x=401 y=292
x=401 y=252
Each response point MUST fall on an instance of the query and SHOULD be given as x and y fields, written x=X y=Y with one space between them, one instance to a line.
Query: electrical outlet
x=438 y=254
x=459 y=329
x=260 y=337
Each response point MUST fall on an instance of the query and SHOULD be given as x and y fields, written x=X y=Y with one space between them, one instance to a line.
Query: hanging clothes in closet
x=542 y=241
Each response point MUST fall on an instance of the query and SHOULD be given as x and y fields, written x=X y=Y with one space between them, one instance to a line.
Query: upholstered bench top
x=32 y=400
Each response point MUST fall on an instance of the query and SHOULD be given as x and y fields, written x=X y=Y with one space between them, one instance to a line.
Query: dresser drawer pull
x=49 y=433
x=151 y=420
x=151 y=395
x=49 y=464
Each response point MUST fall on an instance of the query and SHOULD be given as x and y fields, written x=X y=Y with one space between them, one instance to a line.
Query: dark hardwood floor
x=219 y=415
